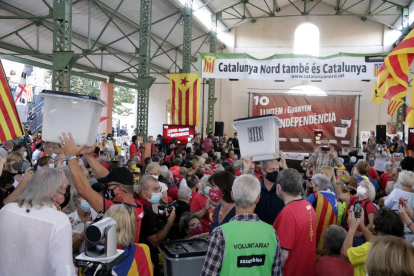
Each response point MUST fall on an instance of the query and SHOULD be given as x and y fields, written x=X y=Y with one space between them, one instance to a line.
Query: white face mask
x=361 y=191
x=24 y=154
x=52 y=166
x=155 y=176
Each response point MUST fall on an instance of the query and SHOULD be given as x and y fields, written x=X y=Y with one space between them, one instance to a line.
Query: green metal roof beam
x=75 y=35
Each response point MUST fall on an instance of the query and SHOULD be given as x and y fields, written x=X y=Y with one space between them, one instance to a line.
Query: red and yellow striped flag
x=185 y=99
x=325 y=216
x=392 y=81
x=393 y=106
x=10 y=126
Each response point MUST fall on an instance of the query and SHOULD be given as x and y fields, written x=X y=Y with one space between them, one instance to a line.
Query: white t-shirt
x=110 y=145
x=36 y=154
x=38 y=242
x=392 y=200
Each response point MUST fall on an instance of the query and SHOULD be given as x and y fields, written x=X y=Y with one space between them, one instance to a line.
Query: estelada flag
x=10 y=125
x=185 y=99
x=325 y=216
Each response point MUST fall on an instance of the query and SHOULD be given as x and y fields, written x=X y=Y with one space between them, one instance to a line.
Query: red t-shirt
x=132 y=149
x=106 y=166
x=199 y=202
x=177 y=180
x=384 y=178
x=175 y=170
x=143 y=201
x=229 y=160
x=296 y=228
x=35 y=142
x=173 y=193
x=139 y=211
x=373 y=173
x=328 y=266
x=193 y=195
x=367 y=206
x=238 y=173
x=258 y=176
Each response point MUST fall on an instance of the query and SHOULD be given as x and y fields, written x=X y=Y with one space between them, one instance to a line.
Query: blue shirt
x=329 y=196
x=216 y=223
x=269 y=205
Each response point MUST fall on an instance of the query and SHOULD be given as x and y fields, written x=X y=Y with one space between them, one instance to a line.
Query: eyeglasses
x=129 y=207
x=155 y=190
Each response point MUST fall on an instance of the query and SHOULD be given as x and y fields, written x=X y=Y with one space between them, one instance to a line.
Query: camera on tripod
x=100 y=248
x=161 y=213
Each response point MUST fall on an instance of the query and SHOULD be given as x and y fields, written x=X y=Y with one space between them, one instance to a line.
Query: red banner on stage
x=306 y=119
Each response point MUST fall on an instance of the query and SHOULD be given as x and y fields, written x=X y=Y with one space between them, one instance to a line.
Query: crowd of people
x=335 y=216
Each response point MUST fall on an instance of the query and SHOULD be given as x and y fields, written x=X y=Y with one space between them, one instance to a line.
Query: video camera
x=161 y=213
x=100 y=254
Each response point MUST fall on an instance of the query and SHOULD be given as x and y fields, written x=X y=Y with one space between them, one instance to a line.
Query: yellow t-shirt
x=357 y=257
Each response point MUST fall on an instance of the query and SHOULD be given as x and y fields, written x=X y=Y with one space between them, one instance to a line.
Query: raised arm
x=79 y=179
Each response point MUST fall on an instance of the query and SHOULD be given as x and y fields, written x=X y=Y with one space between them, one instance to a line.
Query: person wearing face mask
x=365 y=195
x=324 y=200
x=6 y=148
x=269 y=205
x=201 y=204
x=154 y=170
x=78 y=220
x=295 y=226
x=14 y=165
x=119 y=183
x=110 y=147
x=35 y=236
x=190 y=225
x=245 y=245
x=22 y=150
x=149 y=191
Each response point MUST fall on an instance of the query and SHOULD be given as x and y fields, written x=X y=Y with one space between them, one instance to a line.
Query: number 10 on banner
x=263 y=100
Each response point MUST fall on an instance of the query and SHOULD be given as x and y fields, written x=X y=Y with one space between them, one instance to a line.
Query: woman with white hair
x=136 y=256
x=407 y=191
x=324 y=200
x=35 y=236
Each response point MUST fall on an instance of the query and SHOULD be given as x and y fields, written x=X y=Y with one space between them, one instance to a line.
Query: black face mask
x=272 y=176
x=67 y=199
x=352 y=192
x=109 y=194
x=17 y=166
x=9 y=191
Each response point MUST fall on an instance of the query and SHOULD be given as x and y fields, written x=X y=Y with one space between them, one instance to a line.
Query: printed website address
x=334 y=76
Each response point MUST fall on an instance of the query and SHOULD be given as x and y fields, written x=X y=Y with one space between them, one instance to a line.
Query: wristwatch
x=70 y=157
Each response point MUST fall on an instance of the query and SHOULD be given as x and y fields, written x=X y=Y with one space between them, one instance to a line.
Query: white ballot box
x=258 y=137
x=68 y=112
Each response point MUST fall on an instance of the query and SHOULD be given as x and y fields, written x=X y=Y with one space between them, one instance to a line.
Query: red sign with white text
x=182 y=133
x=306 y=117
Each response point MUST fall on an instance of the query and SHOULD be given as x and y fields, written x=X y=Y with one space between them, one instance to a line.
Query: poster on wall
x=289 y=67
x=306 y=117
x=182 y=133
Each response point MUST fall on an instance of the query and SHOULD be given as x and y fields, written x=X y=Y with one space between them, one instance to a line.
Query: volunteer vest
x=250 y=248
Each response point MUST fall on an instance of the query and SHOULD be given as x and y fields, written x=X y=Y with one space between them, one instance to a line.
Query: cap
x=136 y=170
x=121 y=175
x=98 y=187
